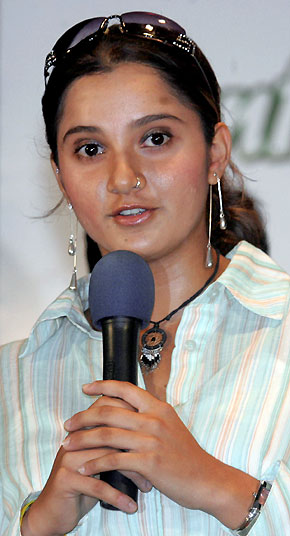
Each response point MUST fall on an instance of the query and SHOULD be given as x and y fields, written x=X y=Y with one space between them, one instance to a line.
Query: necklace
x=153 y=339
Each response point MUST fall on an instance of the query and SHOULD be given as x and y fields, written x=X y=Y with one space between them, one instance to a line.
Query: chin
x=145 y=252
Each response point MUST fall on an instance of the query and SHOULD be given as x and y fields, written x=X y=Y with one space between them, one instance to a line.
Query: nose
x=123 y=176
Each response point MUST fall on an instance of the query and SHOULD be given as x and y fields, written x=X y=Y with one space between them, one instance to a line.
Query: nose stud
x=138 y=184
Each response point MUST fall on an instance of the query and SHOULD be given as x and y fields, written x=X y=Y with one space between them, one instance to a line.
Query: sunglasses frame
x=158 y=33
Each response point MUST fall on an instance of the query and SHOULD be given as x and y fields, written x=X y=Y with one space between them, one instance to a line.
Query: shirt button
x=189 y=345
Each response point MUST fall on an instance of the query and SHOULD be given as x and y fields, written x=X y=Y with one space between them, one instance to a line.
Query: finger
x=98 y=489
x=142 y=483
x=135 y=396
x=105 y=416
x=114 y=402
x=72 y=460
x=103 y=436
x=118 y=461
x=98 y=415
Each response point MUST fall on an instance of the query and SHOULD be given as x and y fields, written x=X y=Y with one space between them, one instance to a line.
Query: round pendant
x=154 y=338
x=153 y=341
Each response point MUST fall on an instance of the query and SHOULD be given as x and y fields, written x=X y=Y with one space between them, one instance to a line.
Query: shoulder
x=9 y=354
x=257 y=281
x=68 y=306
x=245 y=254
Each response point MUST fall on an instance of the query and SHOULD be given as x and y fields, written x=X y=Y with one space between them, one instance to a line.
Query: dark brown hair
x=193 y=81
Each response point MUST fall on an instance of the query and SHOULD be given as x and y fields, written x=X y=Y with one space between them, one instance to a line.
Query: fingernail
x=127 y=504
x=66 y=442
x=148 y=485
x=67 y=424
x=132 y=506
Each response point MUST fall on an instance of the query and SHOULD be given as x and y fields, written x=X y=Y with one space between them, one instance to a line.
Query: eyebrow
x=80 y=128
x=136 y=123
x=155 y=117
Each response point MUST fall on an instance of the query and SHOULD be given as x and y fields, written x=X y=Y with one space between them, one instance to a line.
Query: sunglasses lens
x=90 y=28
x=152 y=19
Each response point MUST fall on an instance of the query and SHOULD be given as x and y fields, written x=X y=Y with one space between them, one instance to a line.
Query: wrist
x=32 y=523
x=253 y=514
x=237 y=497
x=228 y=493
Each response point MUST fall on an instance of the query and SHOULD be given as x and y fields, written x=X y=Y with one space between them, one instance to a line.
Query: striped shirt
x=229 y=383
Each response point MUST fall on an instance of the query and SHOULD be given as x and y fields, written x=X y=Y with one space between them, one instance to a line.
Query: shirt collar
x=70 y=305
x=256 y=281
x=252 y=278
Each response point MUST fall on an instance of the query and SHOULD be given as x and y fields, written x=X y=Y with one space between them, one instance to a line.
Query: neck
x=177 y=277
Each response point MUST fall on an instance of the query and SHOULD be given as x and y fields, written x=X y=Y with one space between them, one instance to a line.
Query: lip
x=134 y=219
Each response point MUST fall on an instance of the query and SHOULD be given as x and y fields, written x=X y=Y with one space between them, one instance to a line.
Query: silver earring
x=57 y=170
x=209 y=259
x=72 y=246
x=138 y=184
x=223 y=223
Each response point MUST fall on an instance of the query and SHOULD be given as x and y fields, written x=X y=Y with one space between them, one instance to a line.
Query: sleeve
x=274 y=519
x=17 y=488
x=8 y=527
x=275 y=515
x=12 y=527
x=3 y=519
x=9 y=517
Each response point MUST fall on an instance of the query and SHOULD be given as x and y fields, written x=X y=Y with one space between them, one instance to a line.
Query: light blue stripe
x=235 y=354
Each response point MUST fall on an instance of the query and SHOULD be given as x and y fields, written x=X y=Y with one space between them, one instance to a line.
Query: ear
x=57 y=174
x=220 y=152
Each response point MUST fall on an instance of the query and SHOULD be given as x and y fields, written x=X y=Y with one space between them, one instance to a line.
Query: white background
x=248 y=45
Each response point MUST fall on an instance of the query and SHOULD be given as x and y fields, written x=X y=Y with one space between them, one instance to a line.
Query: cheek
x=81 y=189
x=87 y=198
x=186 y=184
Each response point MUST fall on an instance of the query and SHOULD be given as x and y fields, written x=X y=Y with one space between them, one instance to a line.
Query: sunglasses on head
x=135 y=23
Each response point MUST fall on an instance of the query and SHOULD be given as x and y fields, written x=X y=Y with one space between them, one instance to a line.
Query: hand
x=153 y=442
x=68 y=495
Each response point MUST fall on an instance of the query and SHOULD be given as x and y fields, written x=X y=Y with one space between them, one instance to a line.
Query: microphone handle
x=120 y=351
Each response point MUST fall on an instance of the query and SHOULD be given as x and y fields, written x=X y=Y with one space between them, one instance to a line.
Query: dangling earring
x=223 y=223
x=209 y=260
x=72 y=246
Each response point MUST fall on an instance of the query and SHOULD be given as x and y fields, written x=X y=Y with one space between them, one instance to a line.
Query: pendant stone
x=153 y=341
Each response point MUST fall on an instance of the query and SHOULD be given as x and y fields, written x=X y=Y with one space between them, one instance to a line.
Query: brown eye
x=157 y=139
x=90 y=150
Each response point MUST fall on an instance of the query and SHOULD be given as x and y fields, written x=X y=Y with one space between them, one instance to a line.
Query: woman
x=139 y=151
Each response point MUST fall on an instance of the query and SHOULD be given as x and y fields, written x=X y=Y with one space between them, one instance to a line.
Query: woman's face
x=125 y=124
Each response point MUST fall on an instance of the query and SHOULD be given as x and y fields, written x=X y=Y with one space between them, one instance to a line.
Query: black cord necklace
x=153 y=339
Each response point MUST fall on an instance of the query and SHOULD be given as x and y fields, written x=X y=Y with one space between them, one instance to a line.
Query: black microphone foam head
x=121 y=284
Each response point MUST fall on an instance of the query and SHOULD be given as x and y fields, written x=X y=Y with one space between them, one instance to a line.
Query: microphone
x=121 y=300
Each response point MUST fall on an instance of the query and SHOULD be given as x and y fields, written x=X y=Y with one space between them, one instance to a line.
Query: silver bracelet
x=259 y=500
